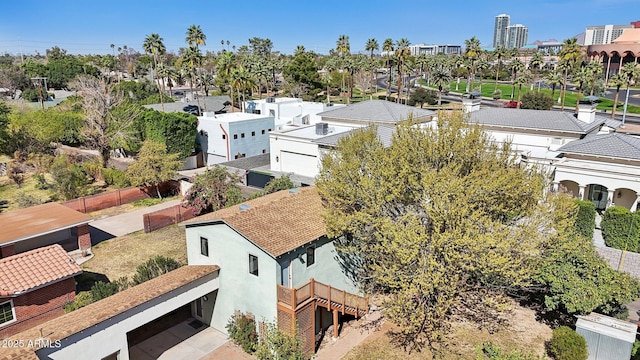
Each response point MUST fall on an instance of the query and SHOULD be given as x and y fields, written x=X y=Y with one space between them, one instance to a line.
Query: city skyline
x=88 y=28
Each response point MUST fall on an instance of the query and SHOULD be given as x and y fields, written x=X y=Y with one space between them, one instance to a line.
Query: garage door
x=301 y=164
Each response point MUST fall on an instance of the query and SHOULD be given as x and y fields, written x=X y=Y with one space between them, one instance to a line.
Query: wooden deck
x=324 y=295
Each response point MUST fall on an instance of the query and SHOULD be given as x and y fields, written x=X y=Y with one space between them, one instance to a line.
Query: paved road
x=123 y=224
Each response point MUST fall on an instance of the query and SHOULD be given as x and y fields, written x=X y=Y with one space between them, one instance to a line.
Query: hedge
x=586 y=218
x=621 y=228
x=566 y=344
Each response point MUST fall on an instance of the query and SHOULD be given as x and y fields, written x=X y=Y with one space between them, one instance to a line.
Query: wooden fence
x=165 y=217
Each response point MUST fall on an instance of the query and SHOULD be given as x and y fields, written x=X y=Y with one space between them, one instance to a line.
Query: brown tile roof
x=25 y=271
x=38 y=220
x=93 y=314
x=278 y=222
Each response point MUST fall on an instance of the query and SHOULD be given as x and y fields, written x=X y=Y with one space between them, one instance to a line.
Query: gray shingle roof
x=385 y=133
x=249 y=163
x=534 y=119
x=612 y=145
x=378 y=111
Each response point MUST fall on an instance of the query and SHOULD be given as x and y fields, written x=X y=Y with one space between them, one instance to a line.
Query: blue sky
x=89 y=27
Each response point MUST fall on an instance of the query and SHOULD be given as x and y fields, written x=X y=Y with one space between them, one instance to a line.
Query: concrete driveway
x=123 y=224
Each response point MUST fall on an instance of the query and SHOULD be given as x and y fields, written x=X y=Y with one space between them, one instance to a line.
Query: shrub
x=153 y=268
x=115 y=177
x=31 y=95
x=15 y=172
x=586 y=218
x=242 y=330
x=68 y=178
x=493 y=352
x=101 y=290
x=277 y=184
x=537 y=101
x=621 y=228
x=83 y=299
x=566 y=344
x=274 y=344
x=26 y=200
x=93 y=168
x=497 y=95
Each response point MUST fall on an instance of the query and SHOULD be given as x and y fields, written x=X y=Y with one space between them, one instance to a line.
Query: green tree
x=153 y=166
x=277 y=184
x=499 y=53
x=387 y=47
x=401 y=55
x=4 y=124
x=437 y=231
x=570 y=56
x=581 y=77
x=371 y=46
x=536 y=101
x=422 y=96
x=617 y=81
x=278 y=345
x=302 y=70
x=343 y=48
x=554 y=79
x=535 y=64
x=154 y=45
x=472 y=52
x=215 y=189
x=68 y=178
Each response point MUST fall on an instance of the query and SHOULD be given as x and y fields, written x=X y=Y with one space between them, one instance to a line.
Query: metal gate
x=257 y=179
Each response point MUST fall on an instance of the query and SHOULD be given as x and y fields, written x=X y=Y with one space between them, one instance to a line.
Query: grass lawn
x=523 y=333
x=10 y=193
x=120 y=256
x=569 y=102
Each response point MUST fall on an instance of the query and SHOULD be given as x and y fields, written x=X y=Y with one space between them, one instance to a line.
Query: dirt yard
x=523 y=333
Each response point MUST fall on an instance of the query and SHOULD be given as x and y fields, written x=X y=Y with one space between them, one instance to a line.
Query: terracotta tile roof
x=25 y=271
x=93 y=314
x=38 y=220
x=278 y=222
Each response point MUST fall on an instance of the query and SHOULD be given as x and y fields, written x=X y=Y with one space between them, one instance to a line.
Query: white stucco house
x=225 y=137
x=289 y=111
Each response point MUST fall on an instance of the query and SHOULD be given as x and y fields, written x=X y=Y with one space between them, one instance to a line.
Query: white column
x=555 y=186
x=635 y=203
x=610 y=195
x=581 y=193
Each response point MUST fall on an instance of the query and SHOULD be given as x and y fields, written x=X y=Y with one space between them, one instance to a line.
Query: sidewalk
x=123 y=224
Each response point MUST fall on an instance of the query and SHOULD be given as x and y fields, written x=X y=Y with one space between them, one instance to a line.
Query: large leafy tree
x=442 y=232
x=213 y=190
x=153 y=166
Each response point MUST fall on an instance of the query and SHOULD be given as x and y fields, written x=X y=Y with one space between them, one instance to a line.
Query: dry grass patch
x=522 y=333
x=120 y=256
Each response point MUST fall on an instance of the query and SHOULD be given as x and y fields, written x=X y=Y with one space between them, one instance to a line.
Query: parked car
x=192 y=109
x=511 y=104
x=178 y=92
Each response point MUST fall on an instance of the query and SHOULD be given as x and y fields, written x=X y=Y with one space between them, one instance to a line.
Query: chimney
x=470 y=104
x=587 y=113
x=322 y=128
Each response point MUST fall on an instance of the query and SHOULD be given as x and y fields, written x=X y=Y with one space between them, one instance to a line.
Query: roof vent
x=245 y=207
x=293 y=191
x=322 y=128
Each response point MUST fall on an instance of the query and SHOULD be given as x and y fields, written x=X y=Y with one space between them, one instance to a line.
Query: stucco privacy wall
x=110 y=336
x=239 y=290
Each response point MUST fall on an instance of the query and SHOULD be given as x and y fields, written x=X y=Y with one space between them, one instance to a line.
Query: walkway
x=350 y=337
x=123 y=224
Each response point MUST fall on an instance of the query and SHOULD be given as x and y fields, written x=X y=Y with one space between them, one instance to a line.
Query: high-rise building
x=517 y=36
x=605 y=34
x=500 y=30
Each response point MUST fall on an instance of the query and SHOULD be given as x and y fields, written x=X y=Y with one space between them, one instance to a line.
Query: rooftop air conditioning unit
x=271 y=99
x=322 y=128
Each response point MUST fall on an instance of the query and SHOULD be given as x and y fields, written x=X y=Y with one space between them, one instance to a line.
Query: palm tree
x=524 y=77
x=195 y=37
x=225 y=65
x=631 y=72
x=499 y=53
x=330 y=66
x=516 y=67
x=154 y=45
x=371 y=46
x=387 y=47
x=535 y=64
x=472 y=52
x=554 y=79
x=570 y=55
x=581 y=76
x=595 y=69
x=343 y=48
x=617 y=81
x=441 y=77
x=192 y=58
x=402 y=52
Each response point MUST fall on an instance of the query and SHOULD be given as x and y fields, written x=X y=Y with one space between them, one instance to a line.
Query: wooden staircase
x=324 y=295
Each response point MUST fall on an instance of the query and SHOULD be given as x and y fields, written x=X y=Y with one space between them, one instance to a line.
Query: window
x=269 y=130
x=204 y=246
x=253 y=133
x=224 y=136
x=262 y=131
x=242 y=135
x=253 y=265
x=311 y=255
x=6 y=313
x=264 y=151
x=235 y=136
x=272 y=112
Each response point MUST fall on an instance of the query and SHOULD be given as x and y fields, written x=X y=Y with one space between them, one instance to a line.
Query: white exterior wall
x=218 y=150
x=294 y=155
x=239 y=290
x=536 y=146
x=110 y=336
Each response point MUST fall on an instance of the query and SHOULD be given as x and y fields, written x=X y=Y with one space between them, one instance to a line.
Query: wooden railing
x=330 y=297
